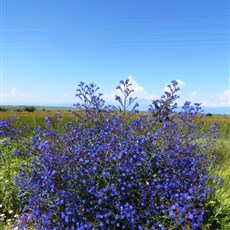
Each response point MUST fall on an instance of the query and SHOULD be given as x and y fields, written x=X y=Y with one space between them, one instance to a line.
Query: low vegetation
x=106 y=167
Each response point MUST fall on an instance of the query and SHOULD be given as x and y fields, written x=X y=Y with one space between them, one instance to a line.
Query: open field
x=37 y=117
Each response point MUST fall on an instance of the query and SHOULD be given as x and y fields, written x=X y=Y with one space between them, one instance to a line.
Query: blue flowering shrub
x=118 y=169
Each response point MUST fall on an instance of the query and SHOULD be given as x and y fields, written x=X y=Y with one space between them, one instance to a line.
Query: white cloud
x=181 y=84
x=219 y=100
x=224 y=98
x=16 y=93
x=139 y=92
x=193 y=96
x=109 y=97
x=17 y=96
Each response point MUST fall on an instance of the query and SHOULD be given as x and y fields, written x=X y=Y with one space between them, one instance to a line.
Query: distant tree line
x=3 y=109
x=26 y=109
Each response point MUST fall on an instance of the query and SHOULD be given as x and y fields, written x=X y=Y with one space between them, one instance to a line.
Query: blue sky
x=49 y=46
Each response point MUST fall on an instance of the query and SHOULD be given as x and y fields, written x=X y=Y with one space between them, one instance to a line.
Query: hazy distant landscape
x=69 y=107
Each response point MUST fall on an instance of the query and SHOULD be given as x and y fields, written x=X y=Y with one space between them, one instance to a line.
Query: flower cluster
x=113 y=169
x=11 y=129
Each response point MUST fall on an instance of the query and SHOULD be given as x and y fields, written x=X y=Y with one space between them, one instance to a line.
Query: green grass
x=9 y=202
x=219 y=204
x=223 y=152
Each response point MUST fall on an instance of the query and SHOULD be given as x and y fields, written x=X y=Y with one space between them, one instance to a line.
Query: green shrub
x=29 y=109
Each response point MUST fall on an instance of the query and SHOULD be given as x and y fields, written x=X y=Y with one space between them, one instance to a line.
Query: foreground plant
x=115 y=170
x=11 y=132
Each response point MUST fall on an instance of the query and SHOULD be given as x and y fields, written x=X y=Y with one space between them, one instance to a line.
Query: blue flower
x=115 y=169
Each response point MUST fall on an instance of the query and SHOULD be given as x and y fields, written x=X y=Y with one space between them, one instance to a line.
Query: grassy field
x=8 y=169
